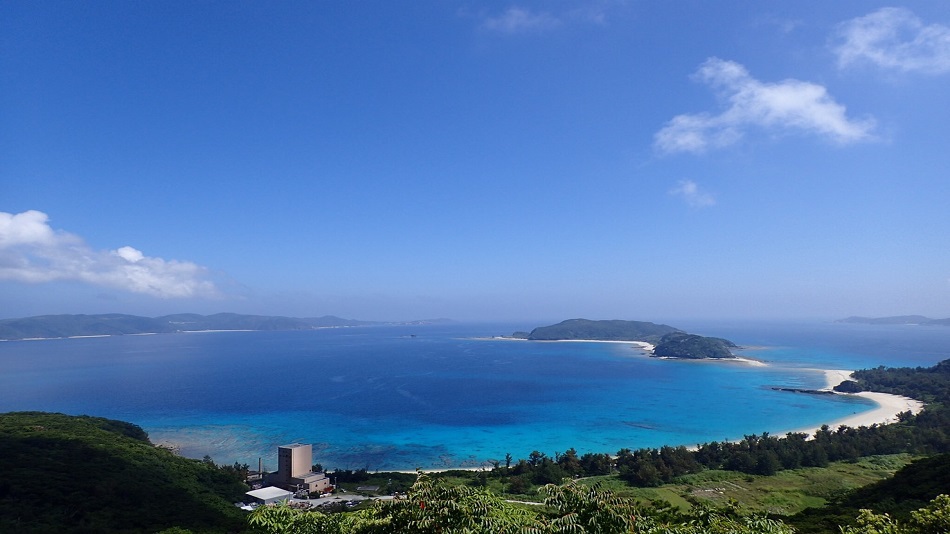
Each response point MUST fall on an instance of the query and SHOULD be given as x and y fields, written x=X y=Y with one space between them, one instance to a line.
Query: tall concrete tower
x=294 y=460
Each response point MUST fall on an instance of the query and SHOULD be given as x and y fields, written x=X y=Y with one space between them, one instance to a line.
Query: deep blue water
x=400 y=397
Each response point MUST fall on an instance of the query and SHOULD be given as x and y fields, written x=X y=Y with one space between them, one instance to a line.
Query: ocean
x=439 y=397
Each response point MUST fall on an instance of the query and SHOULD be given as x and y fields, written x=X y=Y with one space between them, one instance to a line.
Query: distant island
x=897 y=319
x=60 y=326
x=666 y=341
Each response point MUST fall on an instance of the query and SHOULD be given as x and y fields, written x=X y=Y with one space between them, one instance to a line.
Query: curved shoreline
x=888 y=407
x=886 y=412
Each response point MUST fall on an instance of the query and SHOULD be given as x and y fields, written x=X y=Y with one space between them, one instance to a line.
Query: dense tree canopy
x=88 y=474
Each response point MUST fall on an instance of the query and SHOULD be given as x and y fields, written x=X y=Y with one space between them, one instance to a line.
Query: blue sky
x=475 y=160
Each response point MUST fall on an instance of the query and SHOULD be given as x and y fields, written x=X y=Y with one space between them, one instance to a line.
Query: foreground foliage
x=932 y=519
x=433 y=507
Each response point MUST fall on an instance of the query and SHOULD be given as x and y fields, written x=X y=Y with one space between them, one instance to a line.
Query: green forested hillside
x=51 y=326
x=693 y=347
x=909 y=489
x=929 y=384
x=88 y=474
x=602 y=330
x=56 y=326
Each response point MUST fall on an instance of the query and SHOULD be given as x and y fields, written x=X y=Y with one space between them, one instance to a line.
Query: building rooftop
x=269 y=492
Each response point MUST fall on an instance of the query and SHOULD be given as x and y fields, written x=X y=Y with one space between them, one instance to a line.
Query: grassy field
x=785 y=493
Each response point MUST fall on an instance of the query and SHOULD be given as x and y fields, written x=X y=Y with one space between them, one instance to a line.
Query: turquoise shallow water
x=432 y=397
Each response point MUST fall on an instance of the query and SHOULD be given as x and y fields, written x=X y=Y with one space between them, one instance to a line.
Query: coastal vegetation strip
x=890 y=407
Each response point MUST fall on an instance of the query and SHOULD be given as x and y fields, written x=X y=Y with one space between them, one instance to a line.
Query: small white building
x=269 y=495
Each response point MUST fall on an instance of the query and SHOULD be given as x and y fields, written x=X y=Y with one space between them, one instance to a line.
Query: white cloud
x=788 y=105
x=515 y=20
x=894 y=38
x=784 y=25
x=689 y=191
x=519 y=20
x=27 y=227
x=31 y=251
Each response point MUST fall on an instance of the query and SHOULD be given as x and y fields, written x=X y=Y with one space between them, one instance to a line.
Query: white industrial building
x=269 y=495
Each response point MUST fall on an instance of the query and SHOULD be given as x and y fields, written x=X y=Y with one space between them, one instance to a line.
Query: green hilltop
x=88 y=474
x=614 y=330
x=669 y=342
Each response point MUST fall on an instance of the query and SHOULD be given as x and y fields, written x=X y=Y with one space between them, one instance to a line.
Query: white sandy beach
x=888 y=406
x=645 y=347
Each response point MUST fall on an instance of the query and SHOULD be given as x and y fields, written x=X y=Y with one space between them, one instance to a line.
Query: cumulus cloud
x=689 y=191
x=788 y=105
x=894 y=38
x=31 y=251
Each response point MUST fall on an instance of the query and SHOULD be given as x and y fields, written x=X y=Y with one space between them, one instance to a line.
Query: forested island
x=111 y=324
x=667 y=341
